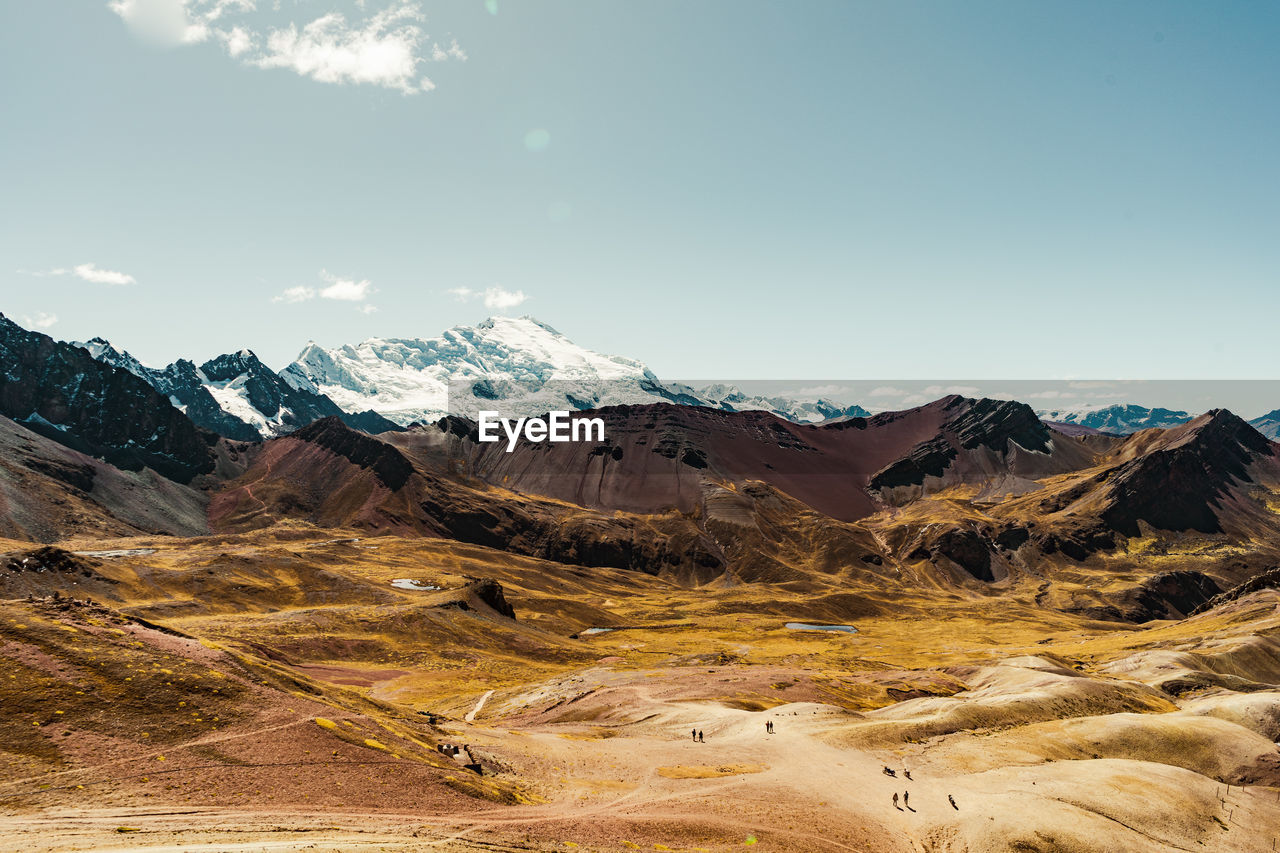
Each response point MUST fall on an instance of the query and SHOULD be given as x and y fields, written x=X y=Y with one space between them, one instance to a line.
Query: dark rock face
x=976 y=423
x=63 y=393
x=371 y=422
x=267 y=392
x=994 y=423
x=1178 y=486
x=1013 y=538
x=284 y=407
x=490 y=592
x=968 y=550
x=182 y=384
x=1270 y=579
x=49 y=559
x=1078 y=543
x=927 y=459
x=1171 y=595
x=388 y=463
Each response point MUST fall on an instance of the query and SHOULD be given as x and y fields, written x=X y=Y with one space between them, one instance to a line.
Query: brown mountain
x=49 y=492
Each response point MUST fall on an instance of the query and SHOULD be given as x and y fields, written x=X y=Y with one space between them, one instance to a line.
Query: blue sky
x=720 y=189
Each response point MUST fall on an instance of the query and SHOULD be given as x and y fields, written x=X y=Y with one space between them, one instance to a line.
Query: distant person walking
x=907 y=773
x=695 y=734
x=895 y=801
x=906 y=795
x=700 y=740
x=952 y=800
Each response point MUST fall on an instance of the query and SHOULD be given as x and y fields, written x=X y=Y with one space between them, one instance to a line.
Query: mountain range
x=961 y=491
x=519 y=365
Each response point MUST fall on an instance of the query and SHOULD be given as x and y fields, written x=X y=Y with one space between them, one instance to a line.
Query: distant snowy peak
x=408 y=379
x=102 y=350
x=235 y=395
x=520 y=365
x=1122 y=419
x=1268 y=424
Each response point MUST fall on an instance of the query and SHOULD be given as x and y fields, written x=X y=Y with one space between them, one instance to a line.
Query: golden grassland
x=280 y=671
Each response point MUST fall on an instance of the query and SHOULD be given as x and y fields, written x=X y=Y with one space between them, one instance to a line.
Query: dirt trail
x=471 y=715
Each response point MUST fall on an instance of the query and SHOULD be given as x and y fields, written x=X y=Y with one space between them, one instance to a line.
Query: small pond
x=804 y=626
x=410 y=583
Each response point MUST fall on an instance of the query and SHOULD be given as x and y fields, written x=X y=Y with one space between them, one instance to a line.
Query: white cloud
x=383 y=52
x=494 y=298
x=301 y=293
x=453 y=51
x=164 y=23
x=501 y=299
x=384 y=48
x=40 y=321
x=237 y=40
x=89 y=272
x=338 y=289
x=345 y=289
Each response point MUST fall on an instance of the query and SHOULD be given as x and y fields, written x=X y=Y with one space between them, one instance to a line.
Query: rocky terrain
x=954 y=627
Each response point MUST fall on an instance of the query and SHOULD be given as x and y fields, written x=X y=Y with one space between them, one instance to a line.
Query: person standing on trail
x=907 y=773
x=906 y=795
x=695 y=734
x=700 y=740
x=895 y=801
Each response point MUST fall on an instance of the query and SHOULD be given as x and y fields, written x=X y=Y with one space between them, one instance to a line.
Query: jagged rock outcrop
x=63 y=393
x=236 y=395
x=1168 y=595
x=1270 y=579
x=1177 y=485
x=388 y=463
x=973 y=424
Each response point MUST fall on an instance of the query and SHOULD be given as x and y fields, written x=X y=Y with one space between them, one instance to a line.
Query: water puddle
x=122 y=552
x=410 y=583
x=804 y=626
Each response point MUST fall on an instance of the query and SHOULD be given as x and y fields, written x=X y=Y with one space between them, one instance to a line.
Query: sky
x=734 y=189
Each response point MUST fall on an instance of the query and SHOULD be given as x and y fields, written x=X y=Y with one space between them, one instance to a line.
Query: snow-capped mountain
x=235 y=395
x=1268 y=424
x=1119 y=419
x=519 y=365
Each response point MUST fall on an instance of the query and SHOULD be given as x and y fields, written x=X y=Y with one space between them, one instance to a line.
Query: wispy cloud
x=345 y=289
x=89 y=272
x=500 y=299
x=97 y=275
x=494 y=298
x=301 y=293
x=40 y=321
x=384 y=48
x=338 y=289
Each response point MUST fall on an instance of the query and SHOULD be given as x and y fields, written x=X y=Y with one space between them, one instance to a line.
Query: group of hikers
x=888 y=771
x=906 y=795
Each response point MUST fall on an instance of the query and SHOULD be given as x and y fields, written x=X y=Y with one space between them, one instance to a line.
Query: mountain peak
x=1178 y=483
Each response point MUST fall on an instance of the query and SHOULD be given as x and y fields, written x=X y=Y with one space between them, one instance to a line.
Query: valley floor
x=277 y=692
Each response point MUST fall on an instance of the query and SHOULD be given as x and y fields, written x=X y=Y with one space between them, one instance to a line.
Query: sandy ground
x=314 y=723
